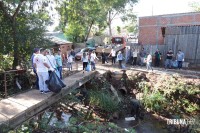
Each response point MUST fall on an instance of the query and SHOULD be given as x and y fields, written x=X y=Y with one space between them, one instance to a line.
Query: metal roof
x=57 y=38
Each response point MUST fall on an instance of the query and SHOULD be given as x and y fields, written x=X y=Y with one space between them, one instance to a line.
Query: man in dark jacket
x=157 y=58
x=35 y=51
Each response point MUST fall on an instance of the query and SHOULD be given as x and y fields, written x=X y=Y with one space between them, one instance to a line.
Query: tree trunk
x=109 y=23
x=16 y=47
x=89 y=30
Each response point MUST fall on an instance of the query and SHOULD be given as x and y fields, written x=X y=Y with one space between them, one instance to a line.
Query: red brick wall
x=150 y=27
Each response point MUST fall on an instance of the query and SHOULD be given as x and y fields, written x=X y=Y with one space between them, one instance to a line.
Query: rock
x=115 y=115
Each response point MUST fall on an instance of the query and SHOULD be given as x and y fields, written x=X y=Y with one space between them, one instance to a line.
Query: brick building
x=152 y=28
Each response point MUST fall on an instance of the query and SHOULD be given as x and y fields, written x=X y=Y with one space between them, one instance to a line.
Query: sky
x=159 y=7
x=153 y=7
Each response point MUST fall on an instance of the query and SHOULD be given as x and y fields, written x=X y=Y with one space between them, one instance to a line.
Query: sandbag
x=54 y=83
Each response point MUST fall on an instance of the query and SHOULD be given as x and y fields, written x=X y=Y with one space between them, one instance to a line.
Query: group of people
x=114 y=56
x=146 y=58
x=89 y=59
x=43 y=63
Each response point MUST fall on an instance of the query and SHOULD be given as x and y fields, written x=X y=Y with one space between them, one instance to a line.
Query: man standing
x=157 y=58
x=170 y=55
x=93 y=57
x=142 y=56
x=35 y=51
x=40 y=63
x=51 y=61
x=120 y=58
x=135 y=54
x=103 y=56
x=149 y=62
x=113 y=54
x=72 y=53
x=180 y=58
x=58 y=58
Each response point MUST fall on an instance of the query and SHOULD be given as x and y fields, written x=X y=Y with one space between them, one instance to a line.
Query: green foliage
x=170 y=94
x=118 y=29
x=195 y=6
x=103 y=100
x=79 y=19
x=6 y=62
x=22 y=30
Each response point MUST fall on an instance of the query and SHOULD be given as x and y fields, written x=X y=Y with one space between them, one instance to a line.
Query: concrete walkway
x=17 y=109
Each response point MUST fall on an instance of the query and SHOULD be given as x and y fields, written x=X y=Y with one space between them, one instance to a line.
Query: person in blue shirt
x=120 y=58
x=35 y=51
x=58 y=58
x=180 y=58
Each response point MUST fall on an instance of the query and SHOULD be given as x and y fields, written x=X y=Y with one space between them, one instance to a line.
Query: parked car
x=79 y=55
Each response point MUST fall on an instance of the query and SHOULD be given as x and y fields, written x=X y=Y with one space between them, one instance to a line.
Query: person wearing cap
x=42 y=67
x=35 y=51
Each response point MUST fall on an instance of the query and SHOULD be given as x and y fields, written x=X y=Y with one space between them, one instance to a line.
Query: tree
x=118 y=29
x=82 y=15
x=89 y=13
x=117 y=7
x=22 y=27
x=132 y=28
x=195 y=6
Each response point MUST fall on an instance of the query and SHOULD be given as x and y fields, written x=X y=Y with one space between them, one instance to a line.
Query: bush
x=103 y=100
x=6 y=62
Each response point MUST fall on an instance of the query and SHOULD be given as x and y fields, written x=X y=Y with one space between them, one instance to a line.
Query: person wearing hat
x=42 y=67
x=35 y=51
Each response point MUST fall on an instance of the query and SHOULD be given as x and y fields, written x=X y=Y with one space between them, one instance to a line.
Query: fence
x=14 y=81
x=185 y=38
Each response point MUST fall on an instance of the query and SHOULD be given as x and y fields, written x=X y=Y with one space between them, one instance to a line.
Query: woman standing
x=85 y=61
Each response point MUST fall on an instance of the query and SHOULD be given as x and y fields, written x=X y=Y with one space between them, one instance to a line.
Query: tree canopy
x=78 y=17
x=23 y=22
x=22 y=26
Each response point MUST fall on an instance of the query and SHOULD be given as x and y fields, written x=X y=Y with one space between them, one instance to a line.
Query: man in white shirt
x=93 y=57
x=135 y=54
x=51 y=61
x=40 y=63
x=149 y=62
x=113 y=54
x=70 y=61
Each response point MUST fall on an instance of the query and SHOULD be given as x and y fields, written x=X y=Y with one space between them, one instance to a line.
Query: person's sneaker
x=41 y=92
x=45 y=92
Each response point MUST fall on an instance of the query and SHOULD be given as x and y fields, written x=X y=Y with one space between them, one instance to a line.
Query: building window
x=163 y=31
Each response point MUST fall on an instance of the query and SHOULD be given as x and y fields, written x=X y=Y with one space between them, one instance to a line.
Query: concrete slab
x=17 y=109
x=2 y=119
x=29 y=98
x=10 y=109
